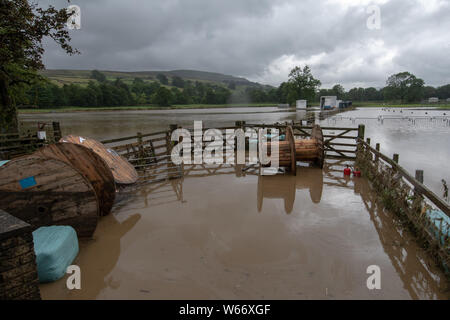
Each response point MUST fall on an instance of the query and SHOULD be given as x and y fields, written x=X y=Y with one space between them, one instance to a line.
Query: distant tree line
x=103 y=92
x=403 y=87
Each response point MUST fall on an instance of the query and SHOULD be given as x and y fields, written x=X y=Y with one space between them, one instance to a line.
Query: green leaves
x=22 y=28
x=302 y=85
x=405 y=87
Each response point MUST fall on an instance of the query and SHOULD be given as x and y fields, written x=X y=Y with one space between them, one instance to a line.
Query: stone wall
x=18 y=271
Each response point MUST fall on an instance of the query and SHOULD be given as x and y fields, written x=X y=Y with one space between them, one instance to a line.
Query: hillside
x=82 y=77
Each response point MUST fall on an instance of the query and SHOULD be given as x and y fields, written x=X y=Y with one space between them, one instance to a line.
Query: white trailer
x=328 y=102
x=301 y=104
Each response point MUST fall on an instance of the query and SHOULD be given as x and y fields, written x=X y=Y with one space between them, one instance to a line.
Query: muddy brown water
x=234 y=236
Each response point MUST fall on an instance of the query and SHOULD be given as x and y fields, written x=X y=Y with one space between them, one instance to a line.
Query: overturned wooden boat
x=44 y=191
x=123 y=172
x=90 y=165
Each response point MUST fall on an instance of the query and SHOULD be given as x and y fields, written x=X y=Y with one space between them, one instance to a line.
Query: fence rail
x=17 y=144
x=419 y=187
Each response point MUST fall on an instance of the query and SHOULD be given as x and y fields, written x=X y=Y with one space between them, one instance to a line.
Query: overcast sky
x=262 y=40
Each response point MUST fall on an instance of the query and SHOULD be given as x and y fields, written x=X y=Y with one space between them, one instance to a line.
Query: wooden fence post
x=395 y=158
x=56 y=131
x=419 y=175
x=140 y=145
x=361 y=130
x=169 y=142
x=377 y=147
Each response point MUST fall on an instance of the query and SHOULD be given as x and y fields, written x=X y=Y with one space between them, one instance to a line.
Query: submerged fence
x=16 y=144
x=400 y=192
x=407 y=197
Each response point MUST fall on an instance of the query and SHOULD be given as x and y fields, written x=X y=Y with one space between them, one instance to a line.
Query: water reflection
x=412 y=263
x=284 y=187
x=414 y=144
x=97 y=258
x=147 y=195
x=414 y=267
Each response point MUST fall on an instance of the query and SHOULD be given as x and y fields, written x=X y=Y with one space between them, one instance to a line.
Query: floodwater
x=421 y=145
x=224 y=234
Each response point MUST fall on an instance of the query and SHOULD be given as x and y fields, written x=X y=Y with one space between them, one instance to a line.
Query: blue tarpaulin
x=441 y=224
x=56 y=247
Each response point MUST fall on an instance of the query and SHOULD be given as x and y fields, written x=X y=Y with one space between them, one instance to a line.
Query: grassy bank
x=150 y=107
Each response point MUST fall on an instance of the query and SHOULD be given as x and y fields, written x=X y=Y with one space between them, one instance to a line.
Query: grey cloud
x=262 y=39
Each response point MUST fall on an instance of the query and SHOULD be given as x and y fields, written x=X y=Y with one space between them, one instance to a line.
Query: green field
x=82 y=77
x=151 y=107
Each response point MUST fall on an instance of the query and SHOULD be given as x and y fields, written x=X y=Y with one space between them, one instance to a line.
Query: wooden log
x=43 y=191
x=90 y=165
x=123 y=172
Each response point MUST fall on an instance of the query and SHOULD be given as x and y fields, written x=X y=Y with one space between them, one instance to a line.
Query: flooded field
x=230 y=235
x=414 y=142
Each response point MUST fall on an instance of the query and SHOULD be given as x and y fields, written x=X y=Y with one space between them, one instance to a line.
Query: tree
x=404 y=86
x=22 y=28
x=356 y=94
x=338 y=91
x=232 y=85
x=162 y=97
x=443 y=92
x=429 y=92
x=302 y=85
x=178 y=82
x=372 y=94
x=97 y=75
x=162 y=78
x=283 y=91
